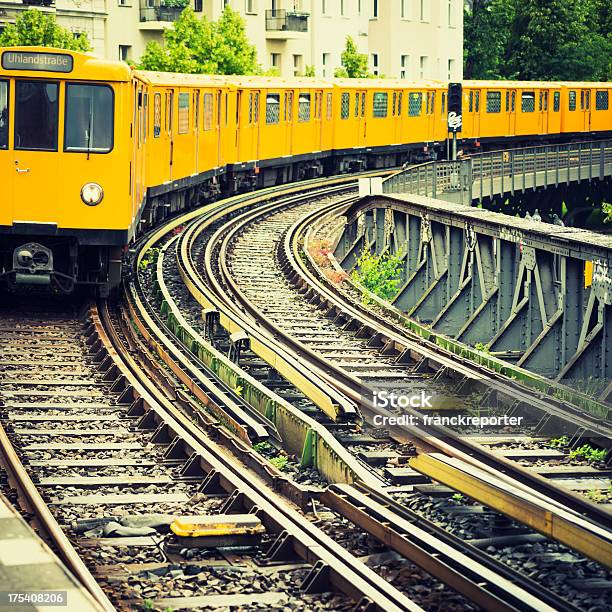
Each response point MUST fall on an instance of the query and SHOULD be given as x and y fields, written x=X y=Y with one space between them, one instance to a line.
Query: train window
x=541 y=96
x=290 y=106
x=433 y=102
x=513 y=105
x=170 y=111
x=329 y=106
x=545 y=100
x=507 y=101
x=226 y=110
x=196 y=110
x=493 y=101
x=156 y=115
x=183 y=113
x=443 y=102
x=4 y=114
x=587 y=98
x=394 y=103
x=471 y=107
x=250 y=108
x=415 y=104
x=572 y=101
x=36 y=115
x=601 y=102
x=319 y=104
x=272 y=108
x=556 y=101
x=400 y=95
x=208 y=112
x=304 y=107
x=381 y=105
x=477 y=101
x=356 y=105
x=256 y=107
x=363 y=104
x=528 y=101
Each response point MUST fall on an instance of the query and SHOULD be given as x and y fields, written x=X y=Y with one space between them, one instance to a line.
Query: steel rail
x=328 y=558
x=236 y=302
x=49 y=527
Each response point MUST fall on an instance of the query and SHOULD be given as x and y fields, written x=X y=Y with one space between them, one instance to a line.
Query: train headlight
x=92 y=194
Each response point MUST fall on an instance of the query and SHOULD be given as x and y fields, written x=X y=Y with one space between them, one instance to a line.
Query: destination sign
x=46 y=62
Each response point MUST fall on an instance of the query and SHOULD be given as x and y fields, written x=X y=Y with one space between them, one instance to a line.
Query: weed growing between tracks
x=380 y=274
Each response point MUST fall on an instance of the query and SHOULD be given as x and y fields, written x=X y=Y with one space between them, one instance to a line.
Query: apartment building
x=409 y=39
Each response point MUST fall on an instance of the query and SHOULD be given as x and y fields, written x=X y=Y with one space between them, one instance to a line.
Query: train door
x=585 y=109
x=543 y=111
x=7 y=158
x=169 y=131
x=218 y=124
x=511 y=111
x=363 y=120
x=475 y=109
x=196 y=129
x=288 y=118
x=34 y=163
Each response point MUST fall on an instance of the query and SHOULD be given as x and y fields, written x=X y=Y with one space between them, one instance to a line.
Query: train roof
x=534 y=84
x=50 y=62
x=386 y=84
x=174 y=79
x=267 y=82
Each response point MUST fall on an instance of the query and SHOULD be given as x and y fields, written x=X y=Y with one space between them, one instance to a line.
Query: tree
x=538 y=39
x=34 y=28
x=354 y=64
x=201 y=47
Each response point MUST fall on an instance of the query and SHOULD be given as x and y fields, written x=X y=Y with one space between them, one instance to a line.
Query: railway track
x=116 y=466
x=190 y=252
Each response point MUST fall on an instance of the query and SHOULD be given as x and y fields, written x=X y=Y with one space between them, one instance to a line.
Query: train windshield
x=3 y=115
x=36 y=106
x=89 y=118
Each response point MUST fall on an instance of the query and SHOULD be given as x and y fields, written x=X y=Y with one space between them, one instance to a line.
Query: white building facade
x=410 y=39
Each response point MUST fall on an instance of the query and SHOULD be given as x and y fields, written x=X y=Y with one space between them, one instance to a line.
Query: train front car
x=66 y=202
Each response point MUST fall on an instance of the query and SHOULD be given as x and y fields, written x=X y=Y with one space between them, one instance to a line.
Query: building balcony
x=281 y=23
x=158 y=17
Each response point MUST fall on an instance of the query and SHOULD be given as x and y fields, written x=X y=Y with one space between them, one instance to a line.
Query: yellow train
x=93 y=152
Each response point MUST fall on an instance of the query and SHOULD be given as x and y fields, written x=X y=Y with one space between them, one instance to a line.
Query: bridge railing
x=498 y=172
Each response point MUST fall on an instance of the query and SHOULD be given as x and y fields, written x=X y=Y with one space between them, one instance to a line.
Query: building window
x=324 y=7
x=404 y=9
x=375 y=63
x=451 y=69
x=375 y=9
x=124 y=3
x=275 y=60
x=272 y=108
x=197 y=6
x=424 y=13
x=124 y=52
x=250 y=6
x=325 y=59
x=404 y=60
x=304 y=107
x=381 y=105
x=423 y=66
x=415 y=103
x=450 y=13
x=528 y=101
x=341 y=8
x=297 y=65
x=493 y=101
x=601 y=99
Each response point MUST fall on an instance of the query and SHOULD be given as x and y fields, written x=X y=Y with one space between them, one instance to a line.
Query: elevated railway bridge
x=532 y=294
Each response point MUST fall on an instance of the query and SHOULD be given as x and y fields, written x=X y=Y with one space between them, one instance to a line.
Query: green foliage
x=175 y=3
x=355 y=64
x=484 y=348
x=261 y=447
x=457 y=498
x=587 y=452
x=538 y=39
x=199 y=46
x=150 y=257
x=279 y=462
x=310 y=71
x=378 y=273
x=34 y=28
x=561 y=442
x=607 y=209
